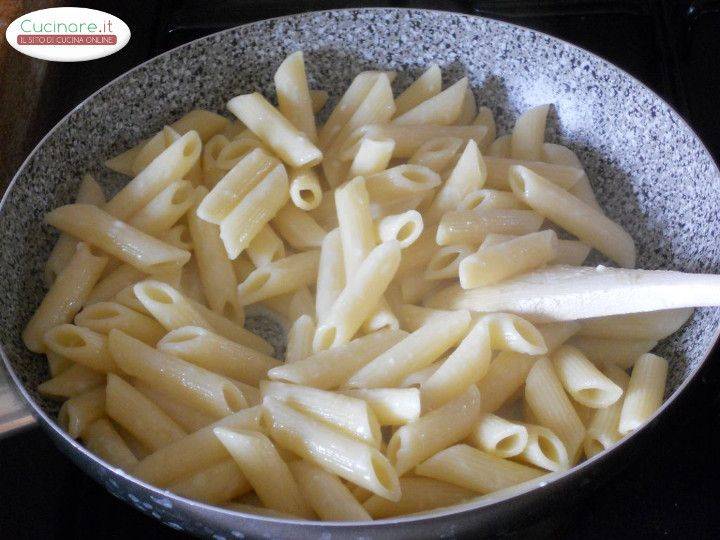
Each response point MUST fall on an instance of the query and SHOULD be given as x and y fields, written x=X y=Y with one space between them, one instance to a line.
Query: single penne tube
x=339 y=454
x=528 y=135
x=139 y=415
x=215 y=485
x=400 y=184
x=498 y=172
x=373 y=156
x=413 y=443
x=585 y=383
x=293 y=94
x=506 y=374
x=81 y=345
x=194 y=452
x=357 y=232
x=265 y=248
x=299 y=339
x=602 y=429
x=551 y=407
x=57 y=363
x=653 y=325
x=392 y=406
x=331 y=274
x=486 y=118
x=349 y=415
x=105 y=442
x=409 y=138
x=305 y=190
x=620 y=352
x=583 y=221
x=476 y=470
x=78 y=412
x=465 y=366
x=441 y=109
x=565 y=293
x=509 y=332
x=98 y=228
x=468 y=175
x=208 y=392
x=468 y=110
x=271 y=127
x=437 y=154
x=327 y=495
x=173 y=163
x=265 y=470
x=405 y=228
x=499 y=437
x=258 y=207
x=114 y=282
x=445 y=263
x=165 y=209
x=496 y=263
x=555 y=334
x=104 y=316
x=544 y=449
x=359 y=298
x=236 y=149
x=215 y=269
x=206 y=123
x=562 y=155
x=123 y=162
x=644 y=393
x=418 y=495
x=89 y=192
x=486 y=199
x=279 y=277
x=184 y=415
x=67 y=295
x=234 y=186
x=471 y=227
x=298 y=228
x=331 y=368
x=423 y=88
x=215 y=353
x=127 y=298
x=416 y=351
x=232 y=330
x=319 y=99
x=75 y=380
x=500 y=147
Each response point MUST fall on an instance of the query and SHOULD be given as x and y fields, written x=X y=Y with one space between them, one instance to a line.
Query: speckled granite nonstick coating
x=649 y=170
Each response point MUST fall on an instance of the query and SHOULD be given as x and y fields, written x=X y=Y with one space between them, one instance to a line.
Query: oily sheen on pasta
x=444 y=338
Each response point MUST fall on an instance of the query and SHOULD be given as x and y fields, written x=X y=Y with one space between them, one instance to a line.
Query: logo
x=67 y=34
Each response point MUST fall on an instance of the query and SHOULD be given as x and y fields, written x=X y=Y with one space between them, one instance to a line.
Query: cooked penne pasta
x=305 y=190
x=293 y=94
x=468 y=110
x=414 y=289
x=555 y=334
x=104 y=441
x=331 y=368
x=78 y=412
x=73 y=381
x=265 y=470
x=603 y=428
x=471 y=227
x=583 y=221
x=653 y=325
x=235 y=150
x=327 y=495
x=418 y=255
x=178 y=236
x=373 y=156
x=413 y=317
x=319 y=99
x=437 y=154
x=339 y=454
x=392 y=406
x=104 y=316
x=644 y=393
x=486 y=199
x=405 y=228
x=492 y=264
x=548 y=403
x=351 y=416
x=301 y=303
x=206 y=123
x=416 y=441
x=506 y=374
x=210 y=168
x=445 y=263
x=217 y=354
x=440 y=110
x=265 y=248
x=331 y=274
x=56 y=363
x=423 y=88
x=528 y=134
x=486 y=119
x=233 y=331
x=418 y=495
x=565 y=293
x=499 y=437
x=583 y=381
x=544 y=449
x=416 y=351
x=67 y=295
x=211 y=393
x=165 y=209
x=81 y=345
x=114 y=282
x=214 y=485
x=400 y=188
x=298 y=228
x=89 y=192
x=271 y=127
x=499 y=169
x=561 y=155
x=300 y=338
x=500 y=147
x=279 y=277
x=184 y=415
x=474 y=469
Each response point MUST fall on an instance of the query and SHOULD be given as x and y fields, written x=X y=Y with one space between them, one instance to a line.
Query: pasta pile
x=443 y=343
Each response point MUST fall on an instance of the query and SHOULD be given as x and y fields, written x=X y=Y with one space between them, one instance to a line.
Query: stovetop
x=673 y=46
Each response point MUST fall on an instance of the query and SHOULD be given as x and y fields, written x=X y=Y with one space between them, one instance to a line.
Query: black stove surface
x=671 y=490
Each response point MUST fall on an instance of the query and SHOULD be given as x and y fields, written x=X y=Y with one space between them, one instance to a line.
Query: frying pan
x=650 y=172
